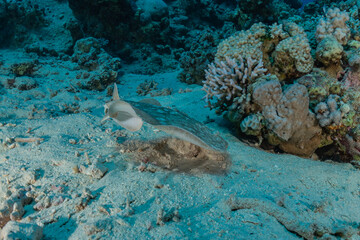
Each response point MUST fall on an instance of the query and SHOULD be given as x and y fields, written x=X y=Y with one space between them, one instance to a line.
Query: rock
x=152 y=9
x=13 y=207
x=95 y=170
x=24 y=231
x=25 y=83
x=21 y=83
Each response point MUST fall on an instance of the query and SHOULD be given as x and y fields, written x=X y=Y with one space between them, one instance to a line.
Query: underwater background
x=179 y=119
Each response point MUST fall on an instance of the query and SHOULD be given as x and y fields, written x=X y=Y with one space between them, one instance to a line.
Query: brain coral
x=252 y=124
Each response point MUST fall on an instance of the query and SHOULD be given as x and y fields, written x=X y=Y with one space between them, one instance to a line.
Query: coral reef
x=252 y=124
x=351 y=74
x=23 y=69
x=121 y=22
x=329 y=52
x=292 y=57
x=298 y=108
x=319 y=85
x=351 y=145
x=268 y=11
x=201 y=51
x=146 y=87
x=135 y=23
x=151 y=10
x=17 y=19
x=89 y=55
x=284 y=48
x=21 y=83
x=278 y=84
x=243 y=44
x=334 y=24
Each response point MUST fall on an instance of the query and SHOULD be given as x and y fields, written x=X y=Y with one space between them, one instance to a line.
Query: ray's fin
x=115 y=95
x=151 y=101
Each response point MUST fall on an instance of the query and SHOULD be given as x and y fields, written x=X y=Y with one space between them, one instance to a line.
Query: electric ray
x=131 y=115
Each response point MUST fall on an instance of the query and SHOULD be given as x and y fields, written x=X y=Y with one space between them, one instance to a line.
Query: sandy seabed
x=78 y=178
x=66 y=175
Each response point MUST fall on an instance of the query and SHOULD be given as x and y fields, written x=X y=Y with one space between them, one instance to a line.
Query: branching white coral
x=228 y=80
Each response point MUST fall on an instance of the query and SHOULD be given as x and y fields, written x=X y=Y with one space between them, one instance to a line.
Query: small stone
x=30 y=194
x=141 y=167
x=95 y=170
x=149 y=225
x=72 y=141
x=12 y=145
x=87 y=158
x=128 y=211
x=87 y=193
x=176 y=217
x=76 y=169
x=57 y=201
x=18 y=211
x=102 y=209
x=122 y=222
x=77 y=154
x=7 y=193
x=160 y=217
x=39 y=206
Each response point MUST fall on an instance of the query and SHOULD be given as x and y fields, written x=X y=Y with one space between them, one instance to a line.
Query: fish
x=131 y=116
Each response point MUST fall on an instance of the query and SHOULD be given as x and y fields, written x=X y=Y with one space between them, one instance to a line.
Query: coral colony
x=264 y=80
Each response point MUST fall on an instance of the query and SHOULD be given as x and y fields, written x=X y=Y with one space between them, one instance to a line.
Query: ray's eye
x=106 y=110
